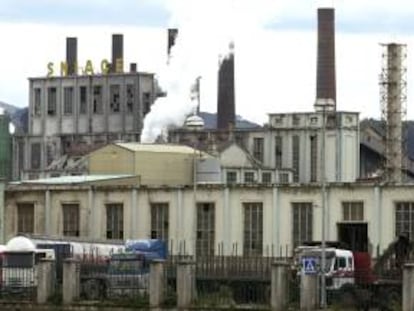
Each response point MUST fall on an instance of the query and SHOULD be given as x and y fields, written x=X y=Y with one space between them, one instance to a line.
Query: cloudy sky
x=275 y=47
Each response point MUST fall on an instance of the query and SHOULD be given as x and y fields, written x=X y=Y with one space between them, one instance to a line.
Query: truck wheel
x=93 y=289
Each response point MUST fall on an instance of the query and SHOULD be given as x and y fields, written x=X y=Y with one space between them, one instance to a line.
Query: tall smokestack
x=326 y=80
x=117 y=64
x=393 y=96
x=226 y=115
x=172 y=35
x=71 y=55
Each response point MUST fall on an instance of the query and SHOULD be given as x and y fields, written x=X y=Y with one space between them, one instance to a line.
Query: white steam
x=205 y=29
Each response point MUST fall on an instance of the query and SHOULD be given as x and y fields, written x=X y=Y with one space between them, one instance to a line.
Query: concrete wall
x=379 y=211
x=111 y=159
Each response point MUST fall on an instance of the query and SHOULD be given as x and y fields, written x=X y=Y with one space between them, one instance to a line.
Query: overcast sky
x=275 y=46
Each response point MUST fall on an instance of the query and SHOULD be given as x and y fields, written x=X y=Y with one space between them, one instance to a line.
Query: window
x=404 y=219
x=266 y=177
x=70 y=219
x=302 y=222
x=296 y=120
x=353 y=211
x=51 y=101
x=37 y=107
x=231 y=177
x=313 y=158
x=205 y=229
x=283 y=178
x=130 y=97
x=258 y=148
x=114 y=221
x=249 y=177
x=50 y=153
x=97 y=99
x=295 y=157
x=146 y=101
x=25 y=218
x=159 y=221
x=68 y=100
x=278 y=152
x=35 y=156
x=253 y=229
x=83 y=100
x=114 y=98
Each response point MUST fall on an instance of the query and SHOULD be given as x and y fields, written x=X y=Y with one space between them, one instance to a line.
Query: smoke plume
x=205 y=29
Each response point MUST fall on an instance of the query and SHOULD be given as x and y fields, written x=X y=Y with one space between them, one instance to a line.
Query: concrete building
x=155 y=164
x=237 y=219
x=80 y=110
x=293 y=142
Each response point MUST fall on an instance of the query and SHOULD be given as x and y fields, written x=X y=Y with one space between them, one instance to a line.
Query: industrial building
x=237 y=219
x=253 y=191
x=75 y=109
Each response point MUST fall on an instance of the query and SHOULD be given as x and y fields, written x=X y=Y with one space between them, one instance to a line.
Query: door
x=354 y=236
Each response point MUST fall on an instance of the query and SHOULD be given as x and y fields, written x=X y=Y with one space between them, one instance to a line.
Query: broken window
x=266 y=177
x=97 y=99
x=146 y=100
x=159 y=221
x=258 y=148
x=37 y=107
x=68 y=100
x=302 y=223
x=205 y=229
x=70 y=219
x=35 y=156
x=295 y=157
x=253 y=229
x=25 y=218
x=130 y=96
x=114 y=221
x=278 y=151
x=83 y=100
x=114 y=98
x=313 y=157
x=51 y=101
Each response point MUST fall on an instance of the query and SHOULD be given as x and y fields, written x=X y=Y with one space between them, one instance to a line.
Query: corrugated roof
x=64 y=180
x=156 y=147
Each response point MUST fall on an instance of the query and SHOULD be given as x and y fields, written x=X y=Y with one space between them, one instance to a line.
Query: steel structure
x=393 y=96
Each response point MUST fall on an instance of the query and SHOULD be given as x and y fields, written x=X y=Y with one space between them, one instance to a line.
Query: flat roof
x=157 y=147
x=65 y=180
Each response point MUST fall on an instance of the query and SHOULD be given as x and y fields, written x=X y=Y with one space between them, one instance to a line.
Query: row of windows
x=302 y=229
x=250 y=177
x=258 y=154
x=97 y=100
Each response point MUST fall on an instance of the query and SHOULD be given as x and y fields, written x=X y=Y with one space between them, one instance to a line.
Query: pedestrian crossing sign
x=309 y=265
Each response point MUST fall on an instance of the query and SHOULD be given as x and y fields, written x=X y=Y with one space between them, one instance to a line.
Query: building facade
x=212 y=219
x=80 y=110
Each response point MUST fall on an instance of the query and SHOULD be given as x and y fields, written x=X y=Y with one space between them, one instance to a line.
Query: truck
x=106 y=268
x=353 y=278
x=22 y=254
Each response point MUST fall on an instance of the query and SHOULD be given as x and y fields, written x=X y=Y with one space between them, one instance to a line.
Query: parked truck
x=106 y=268
x=354 y=278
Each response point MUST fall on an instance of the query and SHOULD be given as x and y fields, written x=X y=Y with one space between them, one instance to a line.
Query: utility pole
x=324 y=105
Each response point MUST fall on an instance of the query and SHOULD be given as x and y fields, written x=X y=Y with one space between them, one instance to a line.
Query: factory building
x=75 y=109
x=290 y=141
x=245 y=219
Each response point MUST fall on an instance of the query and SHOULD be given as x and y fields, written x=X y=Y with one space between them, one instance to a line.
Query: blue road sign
x=309 y=265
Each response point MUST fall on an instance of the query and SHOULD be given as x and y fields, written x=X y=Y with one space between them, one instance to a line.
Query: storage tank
x=5 y=146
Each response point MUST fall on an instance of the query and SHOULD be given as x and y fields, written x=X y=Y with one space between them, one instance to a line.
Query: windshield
x=18 y=260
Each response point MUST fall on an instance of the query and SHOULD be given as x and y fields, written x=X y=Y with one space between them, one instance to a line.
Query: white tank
x=20 y=243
